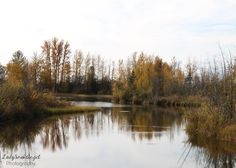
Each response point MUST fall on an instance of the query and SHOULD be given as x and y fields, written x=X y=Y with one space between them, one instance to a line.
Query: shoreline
x=50 y=111
x=225 y=131
x=164 y=101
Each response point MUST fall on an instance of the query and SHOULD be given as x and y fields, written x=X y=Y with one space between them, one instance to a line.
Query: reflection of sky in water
x=113 y=147
x=116 y=151
x=137 y=139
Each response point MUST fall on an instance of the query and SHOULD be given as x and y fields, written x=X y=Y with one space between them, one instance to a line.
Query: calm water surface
x=116 y=137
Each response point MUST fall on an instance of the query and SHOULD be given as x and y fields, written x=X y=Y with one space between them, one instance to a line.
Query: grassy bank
x=48 y=112
x=210 y=122
x=69 y=110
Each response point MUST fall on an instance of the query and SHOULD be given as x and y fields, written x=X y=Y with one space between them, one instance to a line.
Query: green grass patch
x=69 y=110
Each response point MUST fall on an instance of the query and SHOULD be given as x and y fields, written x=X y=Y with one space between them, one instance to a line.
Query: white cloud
x=116 y=28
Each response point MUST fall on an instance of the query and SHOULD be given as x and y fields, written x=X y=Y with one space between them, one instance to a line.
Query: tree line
x=146 y=78
x=56 y=69
x=142 y=78
x=58 y=72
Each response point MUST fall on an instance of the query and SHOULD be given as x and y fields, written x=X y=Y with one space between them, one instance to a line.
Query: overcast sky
x=116 y=28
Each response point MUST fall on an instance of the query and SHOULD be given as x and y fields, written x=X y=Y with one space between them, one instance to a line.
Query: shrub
x=16 y=99
x=205 y=122
x=228 y=133
x=51 y=101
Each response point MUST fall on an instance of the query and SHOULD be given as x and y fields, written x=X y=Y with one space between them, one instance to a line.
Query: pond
x=117 y=136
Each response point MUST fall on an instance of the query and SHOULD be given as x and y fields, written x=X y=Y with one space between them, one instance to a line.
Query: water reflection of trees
x=18 y=134
x=54 y=133
x=138 y=123
x=147 y=123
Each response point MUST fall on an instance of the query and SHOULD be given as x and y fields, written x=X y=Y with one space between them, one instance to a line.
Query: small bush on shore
x=51 y=101
x=18 y=99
